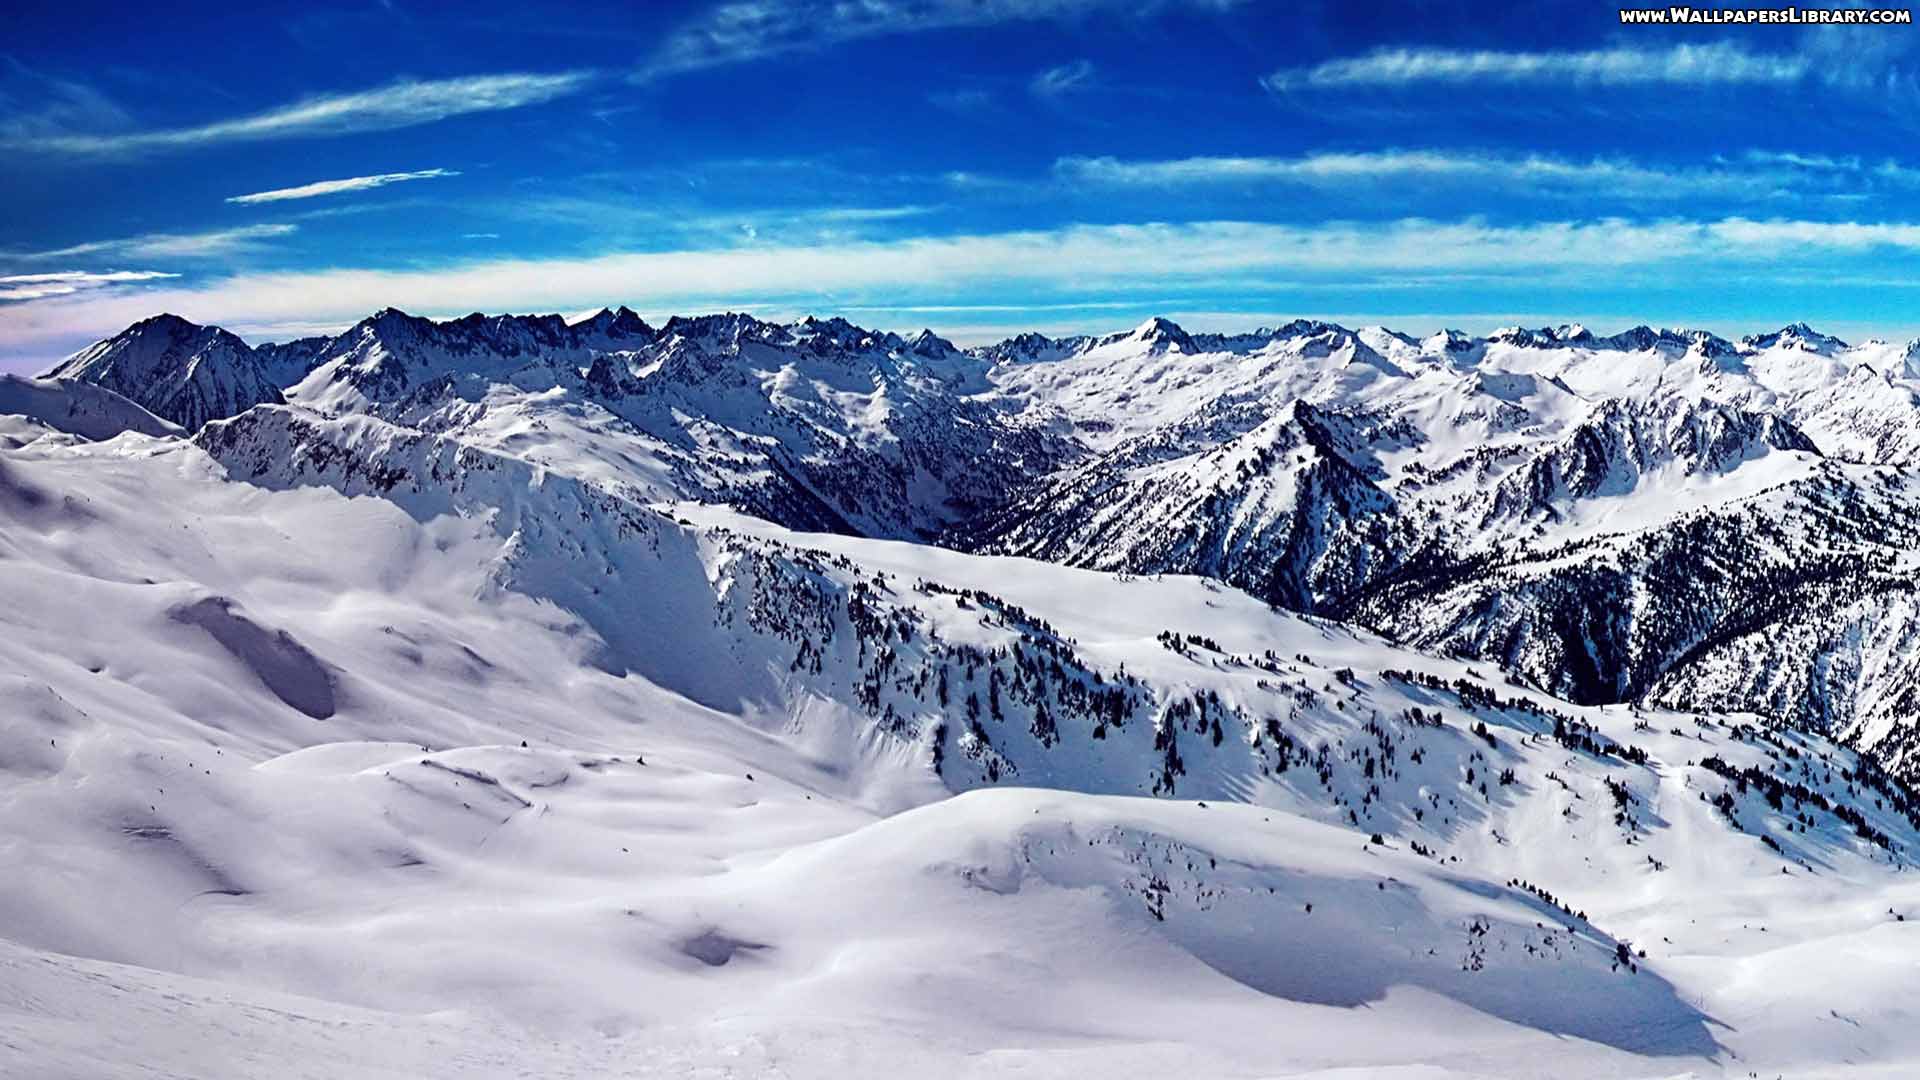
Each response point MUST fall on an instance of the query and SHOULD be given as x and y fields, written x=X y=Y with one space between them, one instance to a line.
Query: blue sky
x=977 y=166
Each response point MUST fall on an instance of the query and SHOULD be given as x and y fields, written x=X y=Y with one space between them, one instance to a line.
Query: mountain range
x=1652 y=516
x=512 y=694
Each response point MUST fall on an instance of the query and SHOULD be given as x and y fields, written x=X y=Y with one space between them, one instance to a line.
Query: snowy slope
x=76 y=408
x=422 y=757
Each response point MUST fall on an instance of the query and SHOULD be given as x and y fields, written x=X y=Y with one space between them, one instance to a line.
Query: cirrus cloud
x=1716 y=63
x=67 y=282
x=1754 y=175
x=1057 y=82
x=401 y=104
x=336 y=187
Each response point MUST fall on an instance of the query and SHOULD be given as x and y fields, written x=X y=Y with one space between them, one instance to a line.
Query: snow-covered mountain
x=1425 y=488
x=174 y=369
x=817 y=424
x=1359 y=474
x=508 y=695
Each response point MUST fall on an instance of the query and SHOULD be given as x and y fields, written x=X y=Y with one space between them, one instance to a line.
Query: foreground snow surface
x=300 y=779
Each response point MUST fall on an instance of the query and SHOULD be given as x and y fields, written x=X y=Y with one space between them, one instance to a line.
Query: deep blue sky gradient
x=1420 y=164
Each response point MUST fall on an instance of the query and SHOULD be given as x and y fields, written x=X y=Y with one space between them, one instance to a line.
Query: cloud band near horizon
x=1086 y=262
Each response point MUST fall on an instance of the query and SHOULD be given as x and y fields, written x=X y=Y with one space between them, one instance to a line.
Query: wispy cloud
x=1716 y=63
x=1057 y=82
x=68 y=282
x=1820 y=162
x=865 y=213
x=1536 y=174
x=1072 y=263
x=398 y=105
x=618 y=219
x=744 y=30
x=173 y=245
x=336 y=187
x=1859 y=176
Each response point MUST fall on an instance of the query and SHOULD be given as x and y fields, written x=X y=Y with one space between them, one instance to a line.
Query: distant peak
x=1448 y=340
x=165 y=319
x=1032 y=346
x=1795 y=335
x=178 y=370
x=178 y=331
x=1546 y=337
x=1160 y=333
x=928 y=343
x=1158 y=327
x=616 y=322
x=1710 y=344
x=390 y=322
x=833 y=324
x=1643 y=337
x=1308 y=328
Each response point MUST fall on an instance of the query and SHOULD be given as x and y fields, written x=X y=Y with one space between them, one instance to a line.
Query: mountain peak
x=611 y=326
x=1643 y=337
x=1160 y=333
x=1308 y=328
x=388 y=324
x=838 y=333
x=1709 y=344
x=173 y=327
x=928 y=343
x=1796 y=335
x=164 y=320
x=1447 y=341
x=175 y=369
x=1547 y=337
x=1029 y=347
x=1158 y=327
